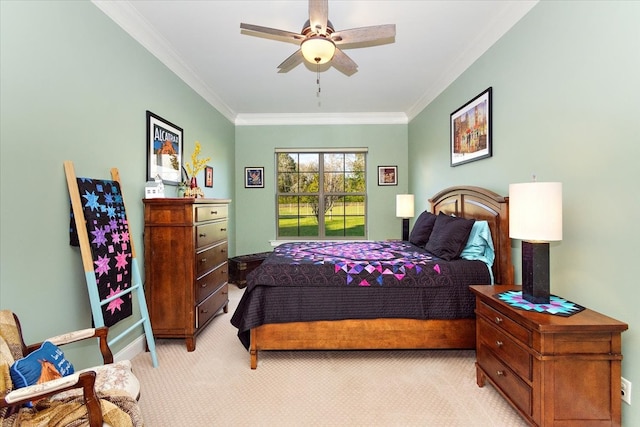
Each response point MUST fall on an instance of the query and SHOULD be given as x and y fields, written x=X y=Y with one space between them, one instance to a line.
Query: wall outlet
x=626 y=391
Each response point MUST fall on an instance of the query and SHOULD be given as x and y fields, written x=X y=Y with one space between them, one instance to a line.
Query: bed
x=377 y=295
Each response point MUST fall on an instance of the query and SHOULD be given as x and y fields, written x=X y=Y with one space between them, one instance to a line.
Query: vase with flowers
x=192 y=168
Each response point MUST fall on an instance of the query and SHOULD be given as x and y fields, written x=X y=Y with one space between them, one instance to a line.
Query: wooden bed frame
x=374 y=334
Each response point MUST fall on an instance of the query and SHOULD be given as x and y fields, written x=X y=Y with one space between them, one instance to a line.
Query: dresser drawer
x=211 y=212
x=516 y=357
x=503 y=377
x=210 y=282
x=207 y=234
x=210 y=258
x=209 y=307
x=504 y=322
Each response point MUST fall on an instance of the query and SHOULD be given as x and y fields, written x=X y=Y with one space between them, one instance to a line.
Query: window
x=321 y=194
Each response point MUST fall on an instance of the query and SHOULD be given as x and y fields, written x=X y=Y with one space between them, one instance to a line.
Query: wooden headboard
x=481 y=204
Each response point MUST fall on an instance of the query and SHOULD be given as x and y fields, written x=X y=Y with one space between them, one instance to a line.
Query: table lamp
x=405 y=210
x=535 y=217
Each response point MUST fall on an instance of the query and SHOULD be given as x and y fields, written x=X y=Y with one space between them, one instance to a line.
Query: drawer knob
x=202 y=235
x=499 y=344
x=223 y=229
x=498 y=320
x=204 y=285
x=223 y=250
x=214 y=212
x=204 y=311
x=500 y=373
x=203 y=260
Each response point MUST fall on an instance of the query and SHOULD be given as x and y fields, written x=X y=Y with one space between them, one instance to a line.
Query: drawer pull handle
x=500 y=373
x=214 y=212
x=499 y=344
x=223 y=229
x=202 y=235
x=223 y=250
x=203 y=260
x=204 y=285
x=498 y=320
x=204 y=311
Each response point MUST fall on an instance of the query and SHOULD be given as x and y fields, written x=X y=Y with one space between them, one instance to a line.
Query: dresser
x=186 y=264
x=554 y=370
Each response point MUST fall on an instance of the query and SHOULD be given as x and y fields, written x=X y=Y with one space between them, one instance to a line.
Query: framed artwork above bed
x=471 y=130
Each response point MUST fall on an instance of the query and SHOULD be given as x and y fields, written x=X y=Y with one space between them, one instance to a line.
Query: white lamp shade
x=318 y=50
x=404 y=205
x=535 y=211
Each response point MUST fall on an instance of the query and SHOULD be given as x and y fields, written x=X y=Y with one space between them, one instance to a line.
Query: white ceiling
x=236 y=73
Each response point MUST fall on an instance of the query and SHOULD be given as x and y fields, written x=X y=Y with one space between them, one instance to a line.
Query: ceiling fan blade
x=281 y=34
x=382 y=33
x=343 y=63
x=291 y=62
x=318 y=15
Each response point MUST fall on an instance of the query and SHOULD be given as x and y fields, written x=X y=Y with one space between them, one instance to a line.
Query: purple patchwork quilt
x=302 y=282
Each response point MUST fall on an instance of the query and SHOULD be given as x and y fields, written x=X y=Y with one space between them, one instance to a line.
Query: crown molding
x=128 y=18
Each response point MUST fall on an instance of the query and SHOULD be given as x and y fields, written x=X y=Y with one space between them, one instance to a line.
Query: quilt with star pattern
x=110 y=243
x=309 y=281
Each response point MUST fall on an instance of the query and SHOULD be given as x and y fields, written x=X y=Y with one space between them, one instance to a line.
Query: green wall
x=76 y=87
x=255 y=208
x=565 y=107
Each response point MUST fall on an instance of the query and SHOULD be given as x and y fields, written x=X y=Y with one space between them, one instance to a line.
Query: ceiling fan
x=320 y=43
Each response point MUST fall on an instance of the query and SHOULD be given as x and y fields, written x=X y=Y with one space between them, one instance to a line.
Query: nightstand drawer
x=504 y=322
x=517 y=390
x=505 y=349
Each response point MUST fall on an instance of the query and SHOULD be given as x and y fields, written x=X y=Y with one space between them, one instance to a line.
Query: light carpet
x=214 y=386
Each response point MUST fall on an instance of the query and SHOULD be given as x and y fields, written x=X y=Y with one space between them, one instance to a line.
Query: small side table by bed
x=554 y=370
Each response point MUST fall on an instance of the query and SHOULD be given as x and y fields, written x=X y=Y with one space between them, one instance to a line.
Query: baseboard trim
x=137 y=346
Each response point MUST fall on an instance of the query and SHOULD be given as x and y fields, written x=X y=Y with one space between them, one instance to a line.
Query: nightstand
x=554 y=370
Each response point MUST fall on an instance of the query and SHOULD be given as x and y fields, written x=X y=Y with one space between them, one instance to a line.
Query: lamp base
x=405 y=229
x=535 y=272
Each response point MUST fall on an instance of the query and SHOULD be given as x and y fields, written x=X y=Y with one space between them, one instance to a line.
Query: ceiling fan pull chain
x=318 y=80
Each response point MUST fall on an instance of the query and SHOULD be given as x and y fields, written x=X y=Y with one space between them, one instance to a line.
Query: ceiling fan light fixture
x=318 y=49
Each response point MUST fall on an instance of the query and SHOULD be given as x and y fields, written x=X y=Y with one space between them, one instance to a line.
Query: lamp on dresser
x=405 y=210
x=535 y=217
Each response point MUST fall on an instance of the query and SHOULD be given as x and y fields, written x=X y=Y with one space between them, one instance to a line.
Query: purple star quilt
x=109 y=239
x=372 y=263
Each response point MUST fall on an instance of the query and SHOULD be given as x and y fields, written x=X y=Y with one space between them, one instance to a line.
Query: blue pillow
x=480 y=244
x=43 y=362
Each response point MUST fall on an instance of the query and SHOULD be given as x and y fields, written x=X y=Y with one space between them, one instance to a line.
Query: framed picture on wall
x=471 y=130
x=164 y=150
x=387 y=175
x=208 y=176
x=254 y=177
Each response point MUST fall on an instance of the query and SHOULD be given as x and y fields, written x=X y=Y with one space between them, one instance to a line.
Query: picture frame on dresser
x=471 y=130
x=164 y=150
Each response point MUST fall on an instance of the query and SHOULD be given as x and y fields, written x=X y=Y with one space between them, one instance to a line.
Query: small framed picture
x=387 y=175
x=208 y=176
x=164 y=150
x=471 y=130
x=253 y=177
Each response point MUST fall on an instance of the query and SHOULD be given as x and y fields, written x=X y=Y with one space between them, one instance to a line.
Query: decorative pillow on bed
x=422 y=229
x=45 y=363
x=449 y=236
